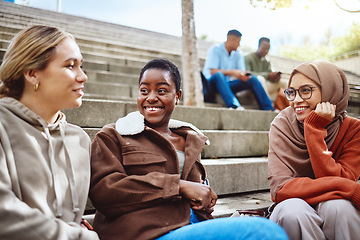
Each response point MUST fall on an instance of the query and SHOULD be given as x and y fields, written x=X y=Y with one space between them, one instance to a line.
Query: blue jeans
x=236 y=228
x=217 y=83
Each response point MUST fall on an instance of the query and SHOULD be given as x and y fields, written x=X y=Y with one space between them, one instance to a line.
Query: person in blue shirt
x=225 y=72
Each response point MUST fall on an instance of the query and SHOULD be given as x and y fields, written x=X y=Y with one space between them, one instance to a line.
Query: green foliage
x=306 y=52
x=331 y=47
x=338 y=46
x=348 y=43
x=275 y=4
x=271 y=4
x=203 y=37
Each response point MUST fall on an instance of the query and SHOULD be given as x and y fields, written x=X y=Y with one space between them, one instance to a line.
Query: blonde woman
x=44 y=161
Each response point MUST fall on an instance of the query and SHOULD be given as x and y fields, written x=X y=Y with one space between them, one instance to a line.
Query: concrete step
x=237 y=175
x=109 y=60
x=94 y=96
x=113 y=90
x=22 y=16
x=123 y=51
x=4 y=43
x=236 y=143
x=111 y=77
x=126 y=47
x=115 y=51
x=227 y=205
x=119 y=60
x=6 y=35
x=97 y=113
x=94 y=42
x=110 y=67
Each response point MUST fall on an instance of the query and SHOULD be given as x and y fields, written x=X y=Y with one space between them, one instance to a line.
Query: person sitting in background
x=44 y=161
x=258 y=65
x=147 y=179
x=314 y=157
x=226 y=74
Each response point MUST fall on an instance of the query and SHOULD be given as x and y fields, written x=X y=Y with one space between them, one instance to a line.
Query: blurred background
x=298 y=29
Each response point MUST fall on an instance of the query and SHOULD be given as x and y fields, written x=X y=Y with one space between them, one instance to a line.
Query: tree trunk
x=192 y=86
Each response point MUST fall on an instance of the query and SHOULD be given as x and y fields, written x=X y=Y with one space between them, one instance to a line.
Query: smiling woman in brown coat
x=147 y=179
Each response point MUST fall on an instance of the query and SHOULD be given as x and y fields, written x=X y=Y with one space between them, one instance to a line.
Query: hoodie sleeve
x=20 y=221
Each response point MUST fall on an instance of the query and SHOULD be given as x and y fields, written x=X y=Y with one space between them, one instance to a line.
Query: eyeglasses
x=305 y=92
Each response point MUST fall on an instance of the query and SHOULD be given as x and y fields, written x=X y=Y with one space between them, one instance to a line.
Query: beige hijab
x=288 y=155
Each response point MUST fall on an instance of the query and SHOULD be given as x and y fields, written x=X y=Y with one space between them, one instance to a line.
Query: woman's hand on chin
x=326 y=109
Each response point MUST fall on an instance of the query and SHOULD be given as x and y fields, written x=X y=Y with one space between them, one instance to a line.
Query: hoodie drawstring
x=58 y=195
x=70 y=174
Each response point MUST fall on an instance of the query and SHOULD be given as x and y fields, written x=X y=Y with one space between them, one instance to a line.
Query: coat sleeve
x=113 y=192
x=314 y=191
x=347 y=165
x=19 y=221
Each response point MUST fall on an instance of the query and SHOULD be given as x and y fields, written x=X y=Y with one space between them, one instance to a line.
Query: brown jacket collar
x=134 y=123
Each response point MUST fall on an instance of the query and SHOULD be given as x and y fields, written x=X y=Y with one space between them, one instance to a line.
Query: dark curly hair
x=166 y=65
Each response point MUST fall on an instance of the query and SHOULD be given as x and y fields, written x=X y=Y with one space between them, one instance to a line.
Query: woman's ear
x=178 y=96
x=31 y=76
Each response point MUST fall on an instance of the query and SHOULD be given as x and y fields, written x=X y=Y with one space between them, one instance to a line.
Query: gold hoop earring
x=36 y=87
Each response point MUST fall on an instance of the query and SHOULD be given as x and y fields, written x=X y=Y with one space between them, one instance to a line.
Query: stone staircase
x=236 y=160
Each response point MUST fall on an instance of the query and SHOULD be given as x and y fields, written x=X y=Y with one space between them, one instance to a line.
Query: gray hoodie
x=44 y=176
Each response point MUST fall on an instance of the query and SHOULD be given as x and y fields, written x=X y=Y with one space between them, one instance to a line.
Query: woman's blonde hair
x=31 y=48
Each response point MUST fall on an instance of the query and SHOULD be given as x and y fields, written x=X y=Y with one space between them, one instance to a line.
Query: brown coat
x=135 y=180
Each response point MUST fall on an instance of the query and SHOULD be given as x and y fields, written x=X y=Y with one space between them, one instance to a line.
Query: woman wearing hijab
x=314 y=157
x=44 y=161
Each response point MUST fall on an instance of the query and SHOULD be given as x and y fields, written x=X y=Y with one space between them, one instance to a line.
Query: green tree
x=330 y=48
x=306 y=52
x=348 y=43
x=271 y=4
